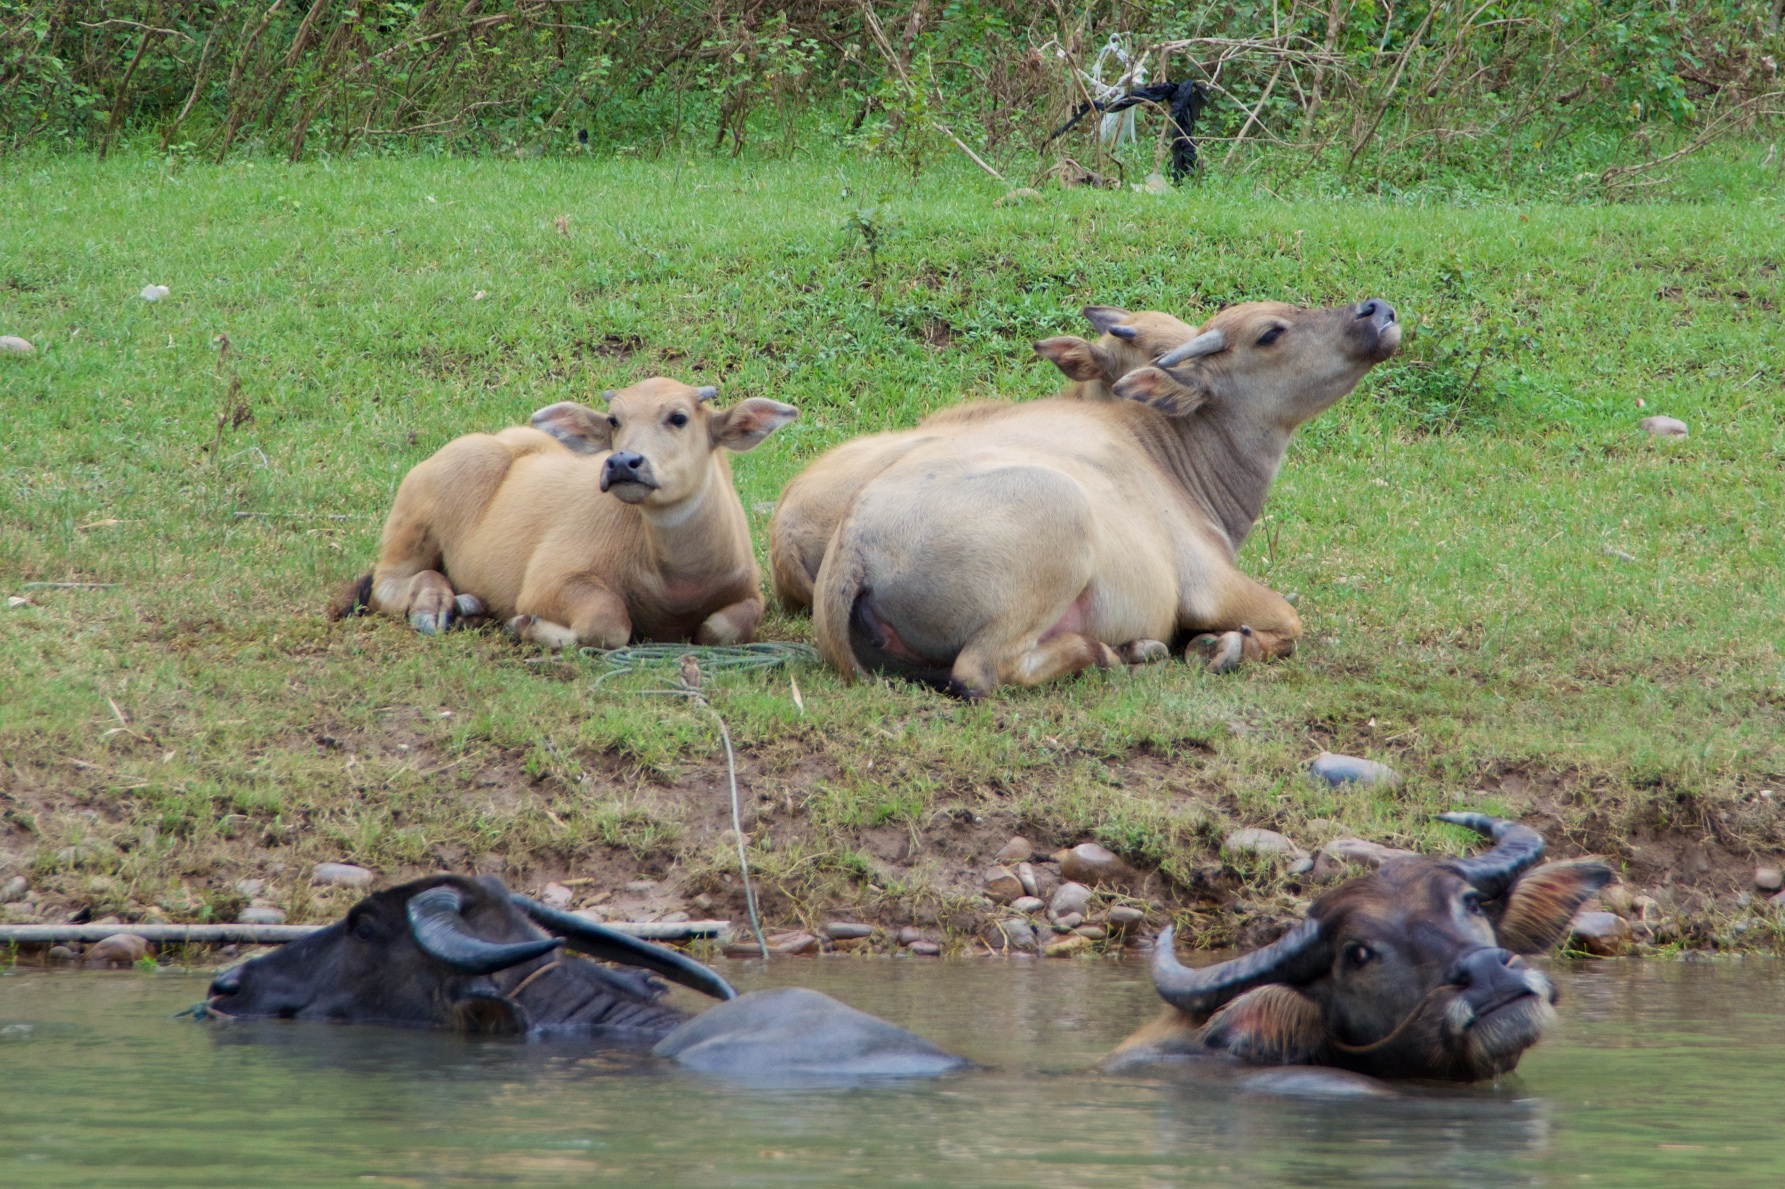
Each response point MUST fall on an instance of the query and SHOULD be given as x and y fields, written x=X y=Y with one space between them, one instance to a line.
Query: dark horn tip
x=1481 y=823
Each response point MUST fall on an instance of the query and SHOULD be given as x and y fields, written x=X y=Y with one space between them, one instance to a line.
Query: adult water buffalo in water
x=466 y=954
x=1020 y=543
x=1410 y=972
x=813 y=503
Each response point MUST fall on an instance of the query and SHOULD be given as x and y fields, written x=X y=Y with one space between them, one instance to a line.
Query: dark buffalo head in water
x=1413 y=971
x=454 y=952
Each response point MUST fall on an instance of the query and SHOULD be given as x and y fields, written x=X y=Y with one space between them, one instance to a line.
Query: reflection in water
x=1660 y=1073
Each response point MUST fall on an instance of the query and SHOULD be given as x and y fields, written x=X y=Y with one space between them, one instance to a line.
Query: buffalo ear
x=577 y=426
x=1105 y=317
x=1174 y=393
x=743 y=426
x=1541 y=905
x=484 y=1013
x=1076 y=358
x=1270 y=1025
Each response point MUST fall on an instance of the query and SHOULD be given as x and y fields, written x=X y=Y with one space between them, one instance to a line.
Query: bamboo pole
x=280 y=934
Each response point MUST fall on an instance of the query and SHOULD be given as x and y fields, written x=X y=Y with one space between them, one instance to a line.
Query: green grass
x=1511 y=593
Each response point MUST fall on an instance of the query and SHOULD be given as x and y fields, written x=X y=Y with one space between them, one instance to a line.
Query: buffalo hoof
x=793 y=1032
x=469 y=606
x=1143 y=652
x=1221 y=653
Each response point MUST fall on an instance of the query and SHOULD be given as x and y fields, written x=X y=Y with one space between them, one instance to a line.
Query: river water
x=1659 y=1073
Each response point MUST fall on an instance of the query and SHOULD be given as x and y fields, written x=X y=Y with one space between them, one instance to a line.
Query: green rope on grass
x=712 y=658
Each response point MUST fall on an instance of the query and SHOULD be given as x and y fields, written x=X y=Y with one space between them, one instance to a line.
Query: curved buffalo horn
x=1295 y=957
x=1516 y=849
x=707 y=392
x=610 y=945
x=440 y=932
x=1206 y=343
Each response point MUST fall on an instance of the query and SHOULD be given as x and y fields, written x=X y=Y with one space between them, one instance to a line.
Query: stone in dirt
x=61 y=953
x=1071 y=897
x=1089 y=863
x=1001 y=884
x=1769 y=879
x=1067 y=946
x=1603 y=934
x=1336 y=856
x=1617 y=899
x=261 y=914
x=1092 y=932
x=792 y=943
x=251 y=887
x=20 y=912
x=1025 y=875
x=1335 y=770
x=12 y=344
x=1028 y=905
x=847 y=930
x=641 y=886
x=120 y=949
x=925 y=949
x=1067 y=922
x=1010 y=935
x=341 y=875
x=15 y=889
x=555 y=895
x=1664 y=427
x=1017 y=850
x=1123 y=915
x=1255 y=841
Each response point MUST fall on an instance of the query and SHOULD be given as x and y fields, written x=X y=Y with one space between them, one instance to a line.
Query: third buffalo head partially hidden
x=1413 y=971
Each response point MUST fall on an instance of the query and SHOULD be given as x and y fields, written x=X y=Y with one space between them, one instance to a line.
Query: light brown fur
x=518 y=525
x=813 y=503
x=1031 y=541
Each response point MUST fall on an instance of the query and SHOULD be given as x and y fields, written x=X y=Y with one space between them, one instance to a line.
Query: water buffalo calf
x=584 y=528
x=1413 y=971
x=466 y=954
x=1019 y=543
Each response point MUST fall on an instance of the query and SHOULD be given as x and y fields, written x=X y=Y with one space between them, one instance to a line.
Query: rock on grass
x=1335 y=769
x=1602 y=934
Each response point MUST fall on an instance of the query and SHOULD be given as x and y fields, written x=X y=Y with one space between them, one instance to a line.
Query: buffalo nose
x=1478 y=968
x=1376 y=308
x=227 y=983
x=624 y=464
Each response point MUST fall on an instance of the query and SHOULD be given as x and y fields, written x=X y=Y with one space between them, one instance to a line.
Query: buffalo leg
x=979 y=669
x=1246 y=621
x=735 y=624
x=408 y=584
x=1143 y=652
x=571 y=612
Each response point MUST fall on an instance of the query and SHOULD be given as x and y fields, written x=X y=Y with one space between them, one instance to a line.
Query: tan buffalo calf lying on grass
x=1018 y=543
x=587 y=528
x=814 y=501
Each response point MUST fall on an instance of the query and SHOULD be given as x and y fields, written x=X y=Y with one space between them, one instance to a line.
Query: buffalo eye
x=1270 y=336
x=678 y=419
x=1359 y=956
x=364 y=930
x=1472 y=904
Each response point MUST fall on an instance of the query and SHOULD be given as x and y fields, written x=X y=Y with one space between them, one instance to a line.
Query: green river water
x=1659 y=1073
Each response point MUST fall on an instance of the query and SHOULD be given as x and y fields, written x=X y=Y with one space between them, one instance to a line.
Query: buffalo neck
x=695 y=534
x=1225 y=462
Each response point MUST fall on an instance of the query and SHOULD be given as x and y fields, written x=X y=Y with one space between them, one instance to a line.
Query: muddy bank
x=984 y=871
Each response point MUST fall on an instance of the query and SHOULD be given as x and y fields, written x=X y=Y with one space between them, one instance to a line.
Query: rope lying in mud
x=689 y=669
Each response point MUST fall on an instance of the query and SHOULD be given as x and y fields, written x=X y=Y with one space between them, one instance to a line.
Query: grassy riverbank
x=1512 y=594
